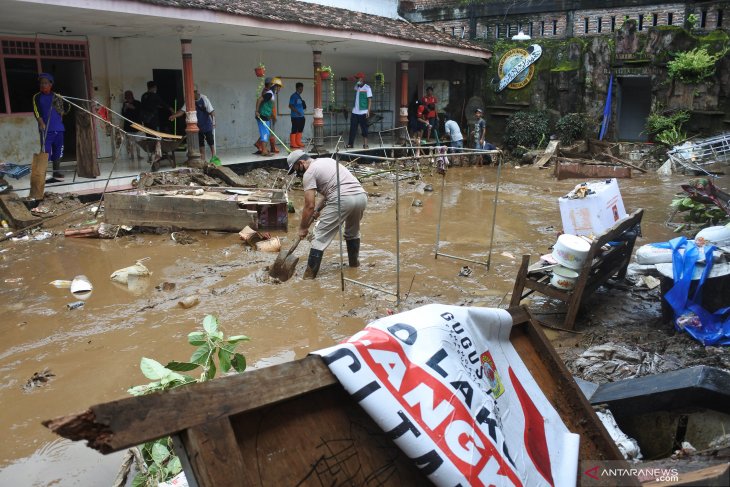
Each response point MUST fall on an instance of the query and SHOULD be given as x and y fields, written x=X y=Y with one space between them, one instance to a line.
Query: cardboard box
x=595 y=213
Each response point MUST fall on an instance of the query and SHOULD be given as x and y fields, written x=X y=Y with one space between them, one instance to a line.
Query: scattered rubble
x=38 y=379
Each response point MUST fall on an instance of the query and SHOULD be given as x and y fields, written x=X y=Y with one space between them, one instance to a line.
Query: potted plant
x=325 y=72
x=379 y=78
x=260 y=70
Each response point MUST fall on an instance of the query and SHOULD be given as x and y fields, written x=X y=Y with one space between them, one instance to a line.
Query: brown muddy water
x=95 y=351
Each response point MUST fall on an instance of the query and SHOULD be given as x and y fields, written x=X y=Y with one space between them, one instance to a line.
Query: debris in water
x=75 y=305
x=428 y=188
x=465 y=271
x=166 y=286
x=38 y=379
x=138 y=269
x=508 y=255
x=188 y=302
x=59 y=283
x=417 y=203
x=183 y=238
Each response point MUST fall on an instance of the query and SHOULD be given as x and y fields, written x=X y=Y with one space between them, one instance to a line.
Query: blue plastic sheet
x=689 y=315
x=16 y=171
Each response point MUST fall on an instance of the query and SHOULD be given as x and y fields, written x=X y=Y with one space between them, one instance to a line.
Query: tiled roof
x=337 y=19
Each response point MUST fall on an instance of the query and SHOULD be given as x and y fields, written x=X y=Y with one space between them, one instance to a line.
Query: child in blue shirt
x=49 y=108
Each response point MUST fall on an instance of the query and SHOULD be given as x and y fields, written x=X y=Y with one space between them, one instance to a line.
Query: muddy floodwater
x=94 y=351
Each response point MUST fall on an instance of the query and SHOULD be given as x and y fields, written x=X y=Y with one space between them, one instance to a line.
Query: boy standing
x=49 y=108
x=361 y=111
x=297 y=107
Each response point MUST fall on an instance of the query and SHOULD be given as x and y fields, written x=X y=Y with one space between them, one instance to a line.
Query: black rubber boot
x=353 y=252
x=315 y=259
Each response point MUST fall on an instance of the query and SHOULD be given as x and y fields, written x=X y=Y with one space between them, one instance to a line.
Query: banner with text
x=445 y=383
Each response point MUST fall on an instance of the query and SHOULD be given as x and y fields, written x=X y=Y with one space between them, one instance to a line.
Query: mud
x=95 y=351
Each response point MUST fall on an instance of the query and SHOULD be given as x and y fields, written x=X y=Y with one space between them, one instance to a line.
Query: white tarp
x=447 y=385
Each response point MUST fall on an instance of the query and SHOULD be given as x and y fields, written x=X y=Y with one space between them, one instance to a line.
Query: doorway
x=170 y=88
x=634 y=106
x=70 y=80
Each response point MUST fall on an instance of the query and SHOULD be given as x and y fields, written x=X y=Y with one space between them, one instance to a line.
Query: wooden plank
x=161 y=135
x=214 y=453
x=548 y=154
x=568 y=170
x=126 y=422
x=16 y=211
x=612 y=158
x=188 y=213
x=227 y=175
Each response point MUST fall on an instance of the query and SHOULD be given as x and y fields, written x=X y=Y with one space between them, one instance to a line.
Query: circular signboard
x=510 y=61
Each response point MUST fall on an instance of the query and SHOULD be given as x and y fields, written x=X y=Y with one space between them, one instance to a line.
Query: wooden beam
x=226 y=174
x=612 y=158
x=548 y=154
x=214 y=453
x=120 y=424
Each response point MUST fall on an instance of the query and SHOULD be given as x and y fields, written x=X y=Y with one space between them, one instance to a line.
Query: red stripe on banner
x=535 y=439
x=414 y=376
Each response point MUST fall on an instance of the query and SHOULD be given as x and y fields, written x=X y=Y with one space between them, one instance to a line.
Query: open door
x=634 y=105
x=170 y=88
x=70 y=80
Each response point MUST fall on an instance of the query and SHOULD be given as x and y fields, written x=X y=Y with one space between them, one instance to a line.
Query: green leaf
x=181 y=366
x=224 y=356
x=211 y=371
x=142 y=390
x=239 y=362
x=159 y=453
x=210 y=324
x=140 y=480
x=238 y=338
x=174 y=467
x=196 y=338
x=200 y=356
x=152 y=369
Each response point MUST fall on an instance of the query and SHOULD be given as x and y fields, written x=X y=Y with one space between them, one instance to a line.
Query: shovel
x=285 y=264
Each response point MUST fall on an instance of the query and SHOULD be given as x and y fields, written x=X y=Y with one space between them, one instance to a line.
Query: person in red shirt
x=430 y=101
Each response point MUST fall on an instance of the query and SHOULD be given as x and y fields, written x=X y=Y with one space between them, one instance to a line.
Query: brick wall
x=612 y=19
x=426 y=4
x=551 y=24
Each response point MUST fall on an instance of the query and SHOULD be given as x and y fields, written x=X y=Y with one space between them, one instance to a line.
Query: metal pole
x=438 y=224
x=339 y=223
x=494 y=213
x=397 y=235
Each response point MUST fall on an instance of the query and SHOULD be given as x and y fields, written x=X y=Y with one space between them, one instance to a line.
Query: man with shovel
x=49 y=109
x=320 y=176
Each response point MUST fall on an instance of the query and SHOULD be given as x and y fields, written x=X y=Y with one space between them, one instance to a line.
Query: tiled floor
x=127 y=170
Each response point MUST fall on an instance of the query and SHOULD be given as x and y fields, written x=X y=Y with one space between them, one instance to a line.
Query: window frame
x=39 y=44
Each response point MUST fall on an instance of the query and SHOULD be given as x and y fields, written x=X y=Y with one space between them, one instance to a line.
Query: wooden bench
x=602 y=263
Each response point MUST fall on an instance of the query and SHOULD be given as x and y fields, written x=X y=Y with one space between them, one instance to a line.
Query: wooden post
x=403 y=113
x=191 y=118
x=318 y=111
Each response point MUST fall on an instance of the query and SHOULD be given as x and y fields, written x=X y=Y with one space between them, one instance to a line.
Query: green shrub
x=571 y=127
x=526 y=130
x=658 y=122
x=693 y=66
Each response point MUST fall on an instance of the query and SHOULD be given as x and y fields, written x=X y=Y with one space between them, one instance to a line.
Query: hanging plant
x=379 y=78
x=325 y=72
x=260 y=70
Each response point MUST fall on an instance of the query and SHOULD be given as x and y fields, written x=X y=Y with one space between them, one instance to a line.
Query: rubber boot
x=315 y=259
x=293 y=141
x=300 y=145
x=258 y=146
x=353 y=252
x=264 y=150
x=272 y=141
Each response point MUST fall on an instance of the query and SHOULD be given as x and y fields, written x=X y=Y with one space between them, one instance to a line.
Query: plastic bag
x=138 y=269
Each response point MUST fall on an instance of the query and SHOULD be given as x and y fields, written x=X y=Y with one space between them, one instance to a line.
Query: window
x=719 y=18
x=555 y=27
x=542 y=28
x=585 y=25
x=703 y=19
x=641 y=21
x=654 y=19
x=613 y=24
x=20 y=62
x=530 y=29
x=599 y=24
x=670 y=18
x=453 y=31
x=496 y=31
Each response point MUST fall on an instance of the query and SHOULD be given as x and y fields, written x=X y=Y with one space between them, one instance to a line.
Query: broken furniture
x=294 y=424
x=198 y=208
x=609 y=256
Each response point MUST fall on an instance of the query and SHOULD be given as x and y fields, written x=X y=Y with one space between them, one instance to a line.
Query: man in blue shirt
x=297 y=107
x=49 y=108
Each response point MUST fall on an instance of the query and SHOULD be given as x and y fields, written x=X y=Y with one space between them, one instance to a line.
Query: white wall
x=224 y=72
x=384 y=8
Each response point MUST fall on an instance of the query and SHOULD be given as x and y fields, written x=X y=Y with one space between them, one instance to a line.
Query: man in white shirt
x=361 y=111
x=456 y=139
x=320 y=176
